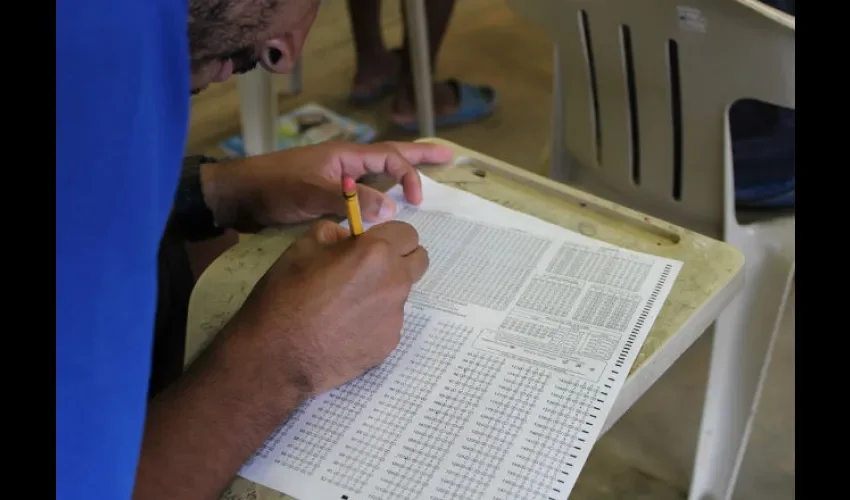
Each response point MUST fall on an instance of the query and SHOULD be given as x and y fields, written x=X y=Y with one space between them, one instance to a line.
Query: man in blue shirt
x=328 y=310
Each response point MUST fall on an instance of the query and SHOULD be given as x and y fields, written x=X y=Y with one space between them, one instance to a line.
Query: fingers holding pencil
x=401 y=236
x=352 y=205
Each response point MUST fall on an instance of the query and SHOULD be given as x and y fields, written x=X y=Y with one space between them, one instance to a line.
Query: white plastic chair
x=642 y=92
x=258 y=92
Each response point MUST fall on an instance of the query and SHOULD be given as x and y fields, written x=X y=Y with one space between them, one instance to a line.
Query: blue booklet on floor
x=306 y=125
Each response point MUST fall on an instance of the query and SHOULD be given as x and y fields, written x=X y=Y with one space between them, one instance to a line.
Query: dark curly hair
x=227 y=29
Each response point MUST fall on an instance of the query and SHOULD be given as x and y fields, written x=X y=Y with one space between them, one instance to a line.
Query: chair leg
x=417 y=28
x=743 y=342
x=257 y=111
x=296 y=78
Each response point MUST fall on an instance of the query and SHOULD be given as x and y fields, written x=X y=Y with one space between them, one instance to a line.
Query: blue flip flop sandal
x=474 y=102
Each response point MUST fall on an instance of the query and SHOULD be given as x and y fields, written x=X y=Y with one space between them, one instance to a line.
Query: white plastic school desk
x=709 y=279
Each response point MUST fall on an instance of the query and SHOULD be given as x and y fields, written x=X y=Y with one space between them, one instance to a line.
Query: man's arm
x=201 y=429
x=330 y=308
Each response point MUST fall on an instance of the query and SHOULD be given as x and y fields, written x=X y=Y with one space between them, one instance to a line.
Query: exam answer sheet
x=515 y=343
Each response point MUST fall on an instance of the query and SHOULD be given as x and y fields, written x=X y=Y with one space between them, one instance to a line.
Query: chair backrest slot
x=584 y=28
x=631 y=88
x=676 y=115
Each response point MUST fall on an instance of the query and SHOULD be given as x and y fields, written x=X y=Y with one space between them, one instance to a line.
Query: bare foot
x=374 y=72
x=445 y=102
x=455 y=103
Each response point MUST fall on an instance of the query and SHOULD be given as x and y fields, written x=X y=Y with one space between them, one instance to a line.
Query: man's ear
x=279 y=55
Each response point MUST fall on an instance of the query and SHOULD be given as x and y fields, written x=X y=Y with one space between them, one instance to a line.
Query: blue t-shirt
x=122 y=109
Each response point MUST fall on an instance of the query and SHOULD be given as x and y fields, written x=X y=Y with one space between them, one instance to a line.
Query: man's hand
x=333 y=306
x=303 y=184
x=329 y=309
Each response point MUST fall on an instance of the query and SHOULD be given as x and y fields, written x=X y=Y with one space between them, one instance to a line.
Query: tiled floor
x=648 y=454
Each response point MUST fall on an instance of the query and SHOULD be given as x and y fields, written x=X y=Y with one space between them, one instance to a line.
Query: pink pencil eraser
x=348 y=184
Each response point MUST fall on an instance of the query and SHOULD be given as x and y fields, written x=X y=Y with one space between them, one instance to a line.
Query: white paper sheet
x=515 y=344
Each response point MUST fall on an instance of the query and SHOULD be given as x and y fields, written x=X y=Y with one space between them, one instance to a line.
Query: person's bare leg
x=375 y=64
x=438 y=13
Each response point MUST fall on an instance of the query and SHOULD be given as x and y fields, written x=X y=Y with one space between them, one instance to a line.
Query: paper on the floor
x=515 y=344
x=309 y=124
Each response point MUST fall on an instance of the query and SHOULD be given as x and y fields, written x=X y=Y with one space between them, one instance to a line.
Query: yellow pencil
x=352 y=205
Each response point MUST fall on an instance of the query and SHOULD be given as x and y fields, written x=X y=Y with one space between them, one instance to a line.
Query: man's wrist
x=212 y=191
x=226 y=195
x=191 y=215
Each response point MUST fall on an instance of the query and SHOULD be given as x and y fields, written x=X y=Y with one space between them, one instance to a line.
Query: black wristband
x=192 y=219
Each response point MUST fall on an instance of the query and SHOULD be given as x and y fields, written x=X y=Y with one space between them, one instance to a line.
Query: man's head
x=233 y=36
